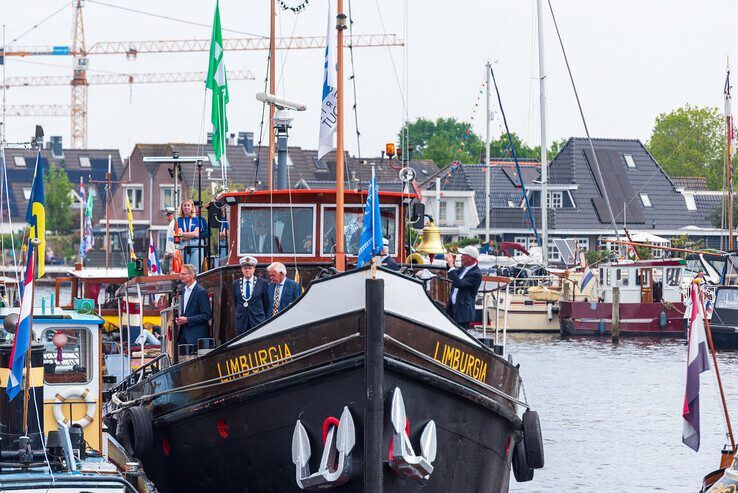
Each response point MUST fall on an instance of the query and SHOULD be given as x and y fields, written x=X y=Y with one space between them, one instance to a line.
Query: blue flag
x=371 y=231
x=36 y=215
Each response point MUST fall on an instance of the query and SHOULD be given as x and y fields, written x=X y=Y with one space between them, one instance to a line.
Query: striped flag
x=153 y=258
x=588 y=275
x=697 y=362
x=22 y=340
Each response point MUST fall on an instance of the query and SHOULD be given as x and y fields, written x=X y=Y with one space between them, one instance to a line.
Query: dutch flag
x=22 y=340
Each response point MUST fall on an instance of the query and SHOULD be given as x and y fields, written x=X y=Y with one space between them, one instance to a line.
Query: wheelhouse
x=647 y=281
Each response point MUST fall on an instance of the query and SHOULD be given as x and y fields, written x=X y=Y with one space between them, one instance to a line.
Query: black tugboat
x=363 y=384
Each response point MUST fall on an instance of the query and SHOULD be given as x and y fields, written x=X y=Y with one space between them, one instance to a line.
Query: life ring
x=84 y=394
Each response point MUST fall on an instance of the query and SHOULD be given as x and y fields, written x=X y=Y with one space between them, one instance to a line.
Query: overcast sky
x=631 y=59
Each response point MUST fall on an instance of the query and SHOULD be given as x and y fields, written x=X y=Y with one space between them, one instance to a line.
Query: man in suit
x=194 y=308
x=282 y=291
x=387 y=260
x=466 y=282
x=250 y=295
x=259 y=240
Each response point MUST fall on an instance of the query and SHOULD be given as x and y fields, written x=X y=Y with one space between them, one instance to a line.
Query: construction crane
x=80 y=81
x=107 y=79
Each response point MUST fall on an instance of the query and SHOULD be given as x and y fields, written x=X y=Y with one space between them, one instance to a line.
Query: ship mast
x=544 y=157
x=340 y=26
x=272 y=89
x=729 y=157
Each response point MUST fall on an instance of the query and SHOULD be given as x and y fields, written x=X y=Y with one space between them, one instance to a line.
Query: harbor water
x=611 y=414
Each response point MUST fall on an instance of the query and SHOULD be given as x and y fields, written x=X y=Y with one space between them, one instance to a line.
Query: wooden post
x=566 y=295
x=615 y=324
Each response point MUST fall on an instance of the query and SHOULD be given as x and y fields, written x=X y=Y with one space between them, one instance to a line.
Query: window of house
x=645 y=200
x=135 y=196
x=20 y=161
x=553 y=253
x=459 y=212
x=215 y=163
x=583 y=244
x=521 y=240
x=84 y=162
x=161 y=242
x=629 y=161
x=510 y=203
x=442 y=213
x=27 y=193
x=319 y=164
x=167 y=197
x=689 y=200
x=73 y=362
x=555 y=200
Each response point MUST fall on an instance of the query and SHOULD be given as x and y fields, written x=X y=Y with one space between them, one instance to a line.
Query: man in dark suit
x=250 y=295
x=194 y=308
x=258 y=238
x=387 y=260
x=282 y=291
x=466 y=282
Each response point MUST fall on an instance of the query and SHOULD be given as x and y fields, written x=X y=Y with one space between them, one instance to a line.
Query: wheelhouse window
x=726 y=298
x=353 y=219
x=276 y=230
x=673 y=276
x=67 y=356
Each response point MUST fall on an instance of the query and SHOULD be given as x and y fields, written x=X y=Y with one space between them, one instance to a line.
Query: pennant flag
x=22 y=340
x=129 y=212
x=36 y=215
x=153 y=258
x=87 y=242
x=371 y=231
x=697 y=362
x=216 y=82
x=329 y=110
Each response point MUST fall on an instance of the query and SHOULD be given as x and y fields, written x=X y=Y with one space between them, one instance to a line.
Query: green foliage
x=461 y=243
x=62 y=245
x=689 y=142
x=57 y=189
x=595 y=256
x=644 y=253
x=715 y=216
x=685 y=241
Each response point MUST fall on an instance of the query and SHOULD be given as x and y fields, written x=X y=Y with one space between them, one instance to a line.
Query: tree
x=58 y=188
x=448 y=139
x=718 y=215
x=689 y=142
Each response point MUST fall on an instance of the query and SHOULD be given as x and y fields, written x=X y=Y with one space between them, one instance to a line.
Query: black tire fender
x=135 y=431
x=533 y=439
x=521 y=470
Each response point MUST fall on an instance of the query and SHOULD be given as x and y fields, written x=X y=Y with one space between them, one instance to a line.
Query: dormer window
x=645 y=200
x=629 y=161
x=555 y=200
x=689 y=200
x=319 y=164
x=20 y=161
x=510 y=203
x=84 y=162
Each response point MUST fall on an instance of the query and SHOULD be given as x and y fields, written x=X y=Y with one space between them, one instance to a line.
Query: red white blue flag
x=22 y=339
x=153 y=259
x=697 y=362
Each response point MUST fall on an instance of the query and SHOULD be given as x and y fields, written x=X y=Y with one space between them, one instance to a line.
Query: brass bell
x=431 y=240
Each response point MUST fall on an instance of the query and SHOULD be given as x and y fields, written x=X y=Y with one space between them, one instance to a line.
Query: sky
x=631 y=61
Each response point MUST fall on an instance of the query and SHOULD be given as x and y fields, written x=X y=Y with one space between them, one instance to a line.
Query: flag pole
x=27 y=382
x=81 y=218
x=272 y=89
x=717 y=371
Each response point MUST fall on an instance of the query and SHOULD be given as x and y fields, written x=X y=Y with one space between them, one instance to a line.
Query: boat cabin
x=293 y=226
x=643 y=281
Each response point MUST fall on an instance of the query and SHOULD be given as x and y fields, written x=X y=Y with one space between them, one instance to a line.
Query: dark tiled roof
x=692 y=183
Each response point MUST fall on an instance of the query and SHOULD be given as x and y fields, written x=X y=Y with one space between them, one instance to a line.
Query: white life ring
x=75 y=392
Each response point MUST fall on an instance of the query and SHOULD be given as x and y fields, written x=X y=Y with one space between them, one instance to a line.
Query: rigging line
x=501 y=31
x=286 y=54
x=392 y=59
x=261 y=126
x=175 y=19
x=67 y=4
x=353 y=81
x=584 y=122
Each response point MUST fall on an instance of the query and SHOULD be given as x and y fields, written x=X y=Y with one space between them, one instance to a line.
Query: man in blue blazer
x=251 y=297
x=466 y=282
x=194 y=308
x=282 y=291
x=387 y=260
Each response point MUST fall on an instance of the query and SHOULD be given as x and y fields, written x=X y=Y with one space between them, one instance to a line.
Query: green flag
x=216 y=82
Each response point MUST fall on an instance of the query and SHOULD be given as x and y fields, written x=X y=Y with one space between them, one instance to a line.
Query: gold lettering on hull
x=458 y=360
x=253 y=362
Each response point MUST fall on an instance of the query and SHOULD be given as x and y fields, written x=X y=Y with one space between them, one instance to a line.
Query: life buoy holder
x=82 y=393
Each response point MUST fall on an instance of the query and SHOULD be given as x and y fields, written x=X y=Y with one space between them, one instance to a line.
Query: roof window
x=319 y=164
x=629 y=161
x=645 y=200
x=20 y=161
x=84 y=162
x=510 y=203
x=689 y=199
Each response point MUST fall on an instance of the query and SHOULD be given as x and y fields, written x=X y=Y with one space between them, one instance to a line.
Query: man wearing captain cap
x=466 y=282
x=387 y=260
x=250 y=295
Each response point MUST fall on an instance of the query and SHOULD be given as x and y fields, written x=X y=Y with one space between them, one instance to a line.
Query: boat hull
x=636 y=319
x=236 y=433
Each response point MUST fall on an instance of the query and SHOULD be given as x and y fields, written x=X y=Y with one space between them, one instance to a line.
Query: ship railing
x=156 y=365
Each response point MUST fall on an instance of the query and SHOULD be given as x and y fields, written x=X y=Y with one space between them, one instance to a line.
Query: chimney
x=232 y=139
x=55 y=143
x=210 y=138
x=246 y=140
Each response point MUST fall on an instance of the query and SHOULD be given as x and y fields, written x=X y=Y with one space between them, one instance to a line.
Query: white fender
x=82 y=393
x=549 y=311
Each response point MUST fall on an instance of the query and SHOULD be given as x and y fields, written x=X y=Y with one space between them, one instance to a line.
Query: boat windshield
x=276 y=230
x=67 y=356
x=726 y=298
x=353 y=219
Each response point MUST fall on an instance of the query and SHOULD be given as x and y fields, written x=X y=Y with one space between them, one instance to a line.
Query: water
x=612 y=415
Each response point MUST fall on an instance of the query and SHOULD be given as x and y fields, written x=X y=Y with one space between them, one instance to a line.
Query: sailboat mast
x=729 y=157
x=487 y=168
x=108 y=198
x=340 y=26
x=272 y=89
x=544 y=157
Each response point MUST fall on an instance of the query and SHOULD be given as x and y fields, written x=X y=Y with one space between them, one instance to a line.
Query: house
x=628 y=181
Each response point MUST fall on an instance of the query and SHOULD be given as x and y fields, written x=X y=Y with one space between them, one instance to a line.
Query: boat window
x=726 y=298
x=352 y=220
x=607 y=277
x=67 y=356
x=276 y=230
x=673 y=276
x=693 y=265
x=624 y=277
x=617 y=274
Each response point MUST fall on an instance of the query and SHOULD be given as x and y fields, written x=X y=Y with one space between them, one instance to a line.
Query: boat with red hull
x=651 y=301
